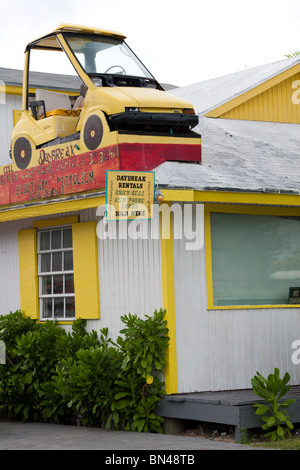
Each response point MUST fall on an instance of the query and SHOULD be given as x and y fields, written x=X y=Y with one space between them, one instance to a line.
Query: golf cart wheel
x=93 y=132
x=22 y=153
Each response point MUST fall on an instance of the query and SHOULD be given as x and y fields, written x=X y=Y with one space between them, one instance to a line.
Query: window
x=255 y=259
x=103 y=54
x=56 y=275
x=58 y=263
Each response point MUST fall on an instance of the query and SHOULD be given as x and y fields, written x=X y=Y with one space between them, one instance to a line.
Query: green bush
x=273 y=413
x=54 y=376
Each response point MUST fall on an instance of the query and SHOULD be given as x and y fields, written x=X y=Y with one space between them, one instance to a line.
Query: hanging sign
x=129 y=195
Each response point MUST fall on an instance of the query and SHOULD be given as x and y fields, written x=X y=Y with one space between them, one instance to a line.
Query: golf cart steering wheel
x=123 y=71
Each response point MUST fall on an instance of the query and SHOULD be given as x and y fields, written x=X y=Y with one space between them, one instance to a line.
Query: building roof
x=237 y=155
x=14 y=77
x=211 y=94
x=240 y=156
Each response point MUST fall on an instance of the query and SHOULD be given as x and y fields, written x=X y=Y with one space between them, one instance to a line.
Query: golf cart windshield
x=102 y=56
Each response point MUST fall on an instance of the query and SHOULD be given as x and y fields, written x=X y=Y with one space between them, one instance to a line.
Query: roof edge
x=87 y=29
x=254 y=90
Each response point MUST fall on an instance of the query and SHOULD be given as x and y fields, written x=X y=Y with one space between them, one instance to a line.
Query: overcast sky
x=180 y=42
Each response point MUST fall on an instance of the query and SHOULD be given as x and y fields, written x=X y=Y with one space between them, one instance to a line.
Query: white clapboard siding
x=223 y=349
x=130 y=278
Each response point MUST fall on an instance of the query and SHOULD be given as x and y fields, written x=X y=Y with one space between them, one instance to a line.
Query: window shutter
x=86 y=278
x=28 y=273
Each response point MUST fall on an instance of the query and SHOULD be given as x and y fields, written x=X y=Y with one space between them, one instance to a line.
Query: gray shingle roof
x=41 y=80
x=210 y=94
x=54 y=81
x=238 y=155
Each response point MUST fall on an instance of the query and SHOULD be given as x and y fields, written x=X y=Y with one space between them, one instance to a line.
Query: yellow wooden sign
x=129 y=195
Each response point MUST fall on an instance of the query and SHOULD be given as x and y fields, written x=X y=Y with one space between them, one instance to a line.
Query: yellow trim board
x=237 y=209
x=44 y=208
x=86 y=274
x=168 y=294
x=254 y=91
x=40 y=209
x=29 y=289
x=55 y=222
x=231 y=197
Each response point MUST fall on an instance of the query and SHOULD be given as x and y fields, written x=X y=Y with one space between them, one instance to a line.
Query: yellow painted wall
x=280 y=103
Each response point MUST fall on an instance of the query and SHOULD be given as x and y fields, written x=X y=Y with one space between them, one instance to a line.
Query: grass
x=285 y=444
x=255 y=439
x=252 y=437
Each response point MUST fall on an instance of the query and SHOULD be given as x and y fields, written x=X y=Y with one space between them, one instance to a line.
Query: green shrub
x=112 y=382
x=145 y=343
x=12 y=326
x=272 y=389
x=54 y=376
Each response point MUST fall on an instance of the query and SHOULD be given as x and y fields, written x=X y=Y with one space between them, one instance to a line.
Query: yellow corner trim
x=28 y=273
x=168 y=294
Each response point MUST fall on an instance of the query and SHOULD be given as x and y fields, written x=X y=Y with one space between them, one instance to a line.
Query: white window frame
x=41 y=274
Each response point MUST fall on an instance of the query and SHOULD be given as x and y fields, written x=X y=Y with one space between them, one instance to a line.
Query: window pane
x=58 y=284
x=70 y=307
x=56 y=261
x=56 y=239
x=58 y=307
x=45 y=241
x=46 y=285
x=46 y=308
x=56 y=274
x=67 y=238
x=69 y=284
x=45 y=263
x=255 y=258
x=101 y=54
x=68 y=261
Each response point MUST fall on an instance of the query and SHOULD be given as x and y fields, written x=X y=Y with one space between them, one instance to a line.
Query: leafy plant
x=145 y=343
x=292 y=54
x=276 y=418
x=59 y=377
x=87 y=383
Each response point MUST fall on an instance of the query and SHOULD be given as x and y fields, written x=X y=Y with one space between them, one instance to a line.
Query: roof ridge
x=223 y=89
